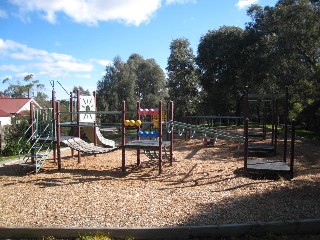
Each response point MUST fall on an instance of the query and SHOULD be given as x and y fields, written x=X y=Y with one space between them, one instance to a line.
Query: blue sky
x=72 y=41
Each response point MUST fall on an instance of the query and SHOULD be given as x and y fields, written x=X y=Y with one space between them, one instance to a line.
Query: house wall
x=5 y=121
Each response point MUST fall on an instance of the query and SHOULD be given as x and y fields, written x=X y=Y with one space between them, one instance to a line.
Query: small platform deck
x=257 y=134
x=262 y=150
x=267 y=166
x=146 y=144
x=261 y=147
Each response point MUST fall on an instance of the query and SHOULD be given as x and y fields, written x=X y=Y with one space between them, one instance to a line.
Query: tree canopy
x=278 y=48
x=137 y=79
x=183 y=82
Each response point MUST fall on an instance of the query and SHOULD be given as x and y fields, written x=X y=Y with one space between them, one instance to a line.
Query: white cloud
x=41 y=61
x=3 y=13
x=91 y=12
x=102 y=62
x=245 y=3
x=180 y=1
x=133 y=12
x=11 y=68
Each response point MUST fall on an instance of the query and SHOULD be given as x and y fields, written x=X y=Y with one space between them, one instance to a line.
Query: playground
x=204 y=185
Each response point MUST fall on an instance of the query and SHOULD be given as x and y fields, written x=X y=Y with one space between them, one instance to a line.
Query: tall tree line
x=279 y=47
x=137 y=79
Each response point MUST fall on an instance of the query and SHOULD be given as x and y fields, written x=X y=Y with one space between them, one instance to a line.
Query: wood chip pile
x=204 y=186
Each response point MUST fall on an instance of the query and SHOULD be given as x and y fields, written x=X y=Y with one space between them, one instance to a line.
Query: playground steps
x=34 y=161
x=261 y=150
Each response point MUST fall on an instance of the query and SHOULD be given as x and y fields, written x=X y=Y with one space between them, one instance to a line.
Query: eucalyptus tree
x=222 y=62
x=136 y=79
x=183 y=81
x=293 y=26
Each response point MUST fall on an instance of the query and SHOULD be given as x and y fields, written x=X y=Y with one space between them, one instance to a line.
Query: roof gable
x=4 y=113
x=15 y=105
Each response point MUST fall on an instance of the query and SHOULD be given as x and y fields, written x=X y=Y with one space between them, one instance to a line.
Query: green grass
x=4 y=158
x=308 y=134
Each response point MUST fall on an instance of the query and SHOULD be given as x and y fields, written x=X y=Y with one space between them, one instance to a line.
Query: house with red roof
x=10 y=107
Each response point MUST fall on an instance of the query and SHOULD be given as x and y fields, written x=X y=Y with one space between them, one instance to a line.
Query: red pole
x=138 y=129
x=160 y=137
x=71 y=119
x=78 y=121
x=54 y=124
x=95 y=119
x=31 y=119
x=293 y=137
x=245 y=159
x=58 y=135
x=123 y=142
x=171 y=133
x=285 y=126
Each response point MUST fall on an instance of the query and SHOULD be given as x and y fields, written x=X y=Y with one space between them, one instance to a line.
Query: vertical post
x=273 y=121
x=32 y=123
x=78 y=121
x=123 y=142
x=264 y=128
x=71 y=119
x=293 y=137
x=58 y=134
x=54 y=125
x=160 y=137
x=285 y=126
x=171 y=131
x=95 y=119
x=276 y=126
x=138 y=129
x=31 y=120
x=245 y=103
x=245 y=160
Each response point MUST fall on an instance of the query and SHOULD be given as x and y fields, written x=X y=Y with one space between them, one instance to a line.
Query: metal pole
x=245 y=162
x=293 y=137
x=123 y=142
x=54 y=125
x=171 y=132
x=95 y=119
x=160 y=137
x=285 y=126
x=138 y=129
x=78 y=122
x=58 y=135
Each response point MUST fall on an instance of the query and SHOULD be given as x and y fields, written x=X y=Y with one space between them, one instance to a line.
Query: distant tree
x=149 y=80
x=135 y=80
x=183 y=81
x=31 y=88
x=82 y=91
x=222 y=62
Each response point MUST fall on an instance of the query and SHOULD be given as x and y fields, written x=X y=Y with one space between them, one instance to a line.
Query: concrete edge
x=308 y=226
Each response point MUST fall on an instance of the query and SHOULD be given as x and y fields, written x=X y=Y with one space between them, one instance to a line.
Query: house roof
x=4 y=113
x=13 y=105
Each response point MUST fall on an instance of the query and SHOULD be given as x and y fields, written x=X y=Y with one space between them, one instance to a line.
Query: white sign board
x=87 y=104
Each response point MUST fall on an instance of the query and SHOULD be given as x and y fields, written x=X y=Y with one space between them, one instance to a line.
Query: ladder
x=38 y=146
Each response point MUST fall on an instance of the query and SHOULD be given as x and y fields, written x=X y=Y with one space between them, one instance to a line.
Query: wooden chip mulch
x=204 y=186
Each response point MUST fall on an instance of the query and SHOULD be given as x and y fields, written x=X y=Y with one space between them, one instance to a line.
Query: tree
x=135 y=80
x=150 y=80
x=82 y=91
x=222 y=62
x=27 y=90
x=183 y=82
x=293 y=54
